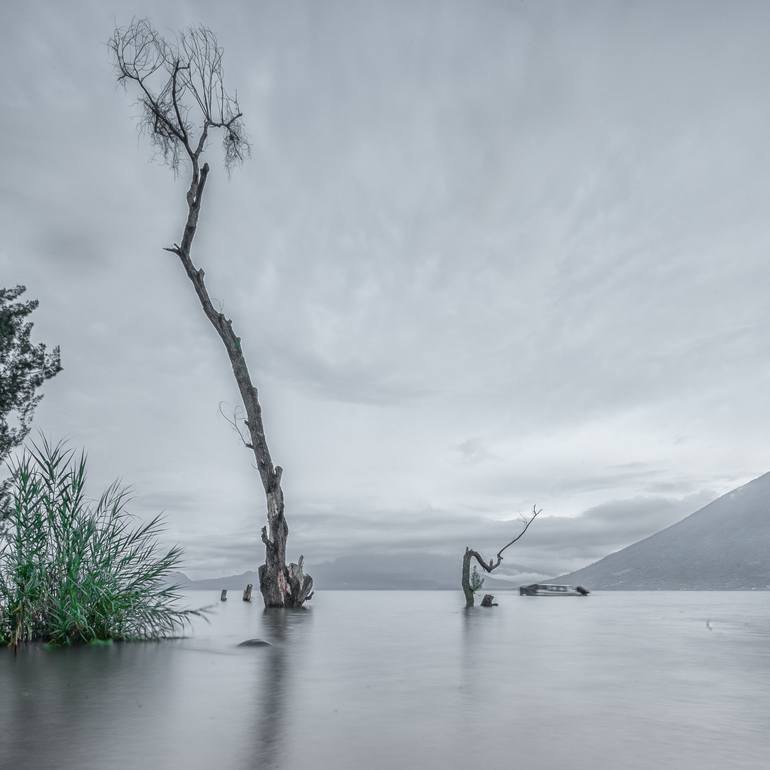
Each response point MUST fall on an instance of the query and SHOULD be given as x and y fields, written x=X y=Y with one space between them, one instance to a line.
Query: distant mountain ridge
x=230 y=582
x=723 y=546
x=404 y=572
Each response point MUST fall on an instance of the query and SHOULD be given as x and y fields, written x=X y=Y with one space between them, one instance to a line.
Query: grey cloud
x=70 y=248
x=615 y=522
x=483 y=255
x=646 y=479
x=346 y=381
x=162 y=501
x=552 y=544
x=474 y=450
x=595 y=532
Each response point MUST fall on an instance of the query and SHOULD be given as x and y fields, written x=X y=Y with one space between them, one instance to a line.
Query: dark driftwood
x=223 y=595
x=488 y=601
x=175 y=81
x=491 y=565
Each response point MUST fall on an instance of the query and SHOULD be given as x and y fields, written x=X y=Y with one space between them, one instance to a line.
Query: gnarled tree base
x=289 y=587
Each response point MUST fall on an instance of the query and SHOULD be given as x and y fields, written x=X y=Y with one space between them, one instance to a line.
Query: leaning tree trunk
x=177 y=80
x=281 y=585
x=467 y=590
x=492 y=564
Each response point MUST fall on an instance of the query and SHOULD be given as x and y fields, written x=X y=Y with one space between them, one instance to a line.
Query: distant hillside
x=178 y=579
x=374 y=572
x=723 y=546
x=230 y=582
x=413 y=571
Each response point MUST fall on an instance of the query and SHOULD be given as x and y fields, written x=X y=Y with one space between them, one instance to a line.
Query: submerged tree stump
x=223 y=595
x=300 y=584
x=247 y=593
x=468 y=589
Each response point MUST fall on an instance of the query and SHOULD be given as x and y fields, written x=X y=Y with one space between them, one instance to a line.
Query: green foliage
x=72 y=571
x=24 y=367
x=476 y=581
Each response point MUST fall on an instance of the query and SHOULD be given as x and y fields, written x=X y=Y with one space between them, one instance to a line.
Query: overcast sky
x=484 y=255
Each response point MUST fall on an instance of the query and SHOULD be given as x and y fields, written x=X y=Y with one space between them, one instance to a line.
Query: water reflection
x=75 y=707
x=471 y=656
x=277 y=688
x=388 y=680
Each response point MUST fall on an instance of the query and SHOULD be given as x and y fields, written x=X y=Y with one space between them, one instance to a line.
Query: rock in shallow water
x=254 y=643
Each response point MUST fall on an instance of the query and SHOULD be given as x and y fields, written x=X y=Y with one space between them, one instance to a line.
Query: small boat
x=540 y=589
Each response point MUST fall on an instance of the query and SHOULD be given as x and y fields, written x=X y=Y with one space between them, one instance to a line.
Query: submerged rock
x=255 y=643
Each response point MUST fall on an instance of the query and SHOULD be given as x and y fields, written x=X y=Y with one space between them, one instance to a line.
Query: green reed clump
x=73 y=571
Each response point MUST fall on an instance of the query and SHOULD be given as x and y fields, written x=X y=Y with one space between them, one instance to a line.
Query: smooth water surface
x=410 y=680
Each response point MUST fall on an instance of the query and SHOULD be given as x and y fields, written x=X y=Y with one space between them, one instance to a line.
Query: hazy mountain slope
x=231 y=582
x=177 y=579
x=725 y=545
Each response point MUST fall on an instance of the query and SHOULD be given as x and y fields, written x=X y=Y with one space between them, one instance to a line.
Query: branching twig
x=172 y=78
x=236 y=418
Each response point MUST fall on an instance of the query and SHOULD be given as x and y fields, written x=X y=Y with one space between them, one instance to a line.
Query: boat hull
x=552 y=590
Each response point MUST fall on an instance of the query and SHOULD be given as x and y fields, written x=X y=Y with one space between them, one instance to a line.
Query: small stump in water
x=255 y=643
x=488 y=601
x=247 y=593
x=223 y=595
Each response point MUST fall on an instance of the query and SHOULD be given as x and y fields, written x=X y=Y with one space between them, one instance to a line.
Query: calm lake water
x=410 y=680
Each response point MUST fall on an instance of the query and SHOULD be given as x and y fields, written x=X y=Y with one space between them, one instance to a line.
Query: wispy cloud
x=482 y=257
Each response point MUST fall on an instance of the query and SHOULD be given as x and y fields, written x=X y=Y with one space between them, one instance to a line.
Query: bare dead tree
x=492 y=564
x=183 y=101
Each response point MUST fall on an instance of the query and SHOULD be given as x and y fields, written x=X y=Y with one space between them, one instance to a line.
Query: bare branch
x=176 y=79
x=526 y=521
x=234 y=423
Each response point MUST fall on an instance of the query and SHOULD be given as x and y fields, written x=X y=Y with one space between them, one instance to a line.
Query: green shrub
x=72 y=571
x=476 y=582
